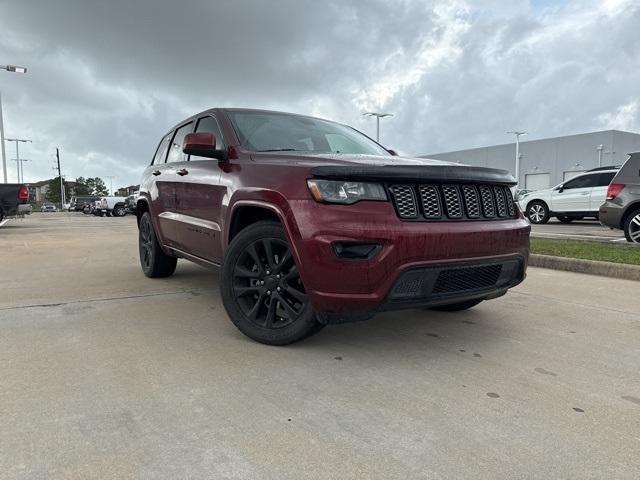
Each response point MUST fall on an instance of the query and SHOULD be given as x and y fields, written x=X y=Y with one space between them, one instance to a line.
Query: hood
x=305 y=159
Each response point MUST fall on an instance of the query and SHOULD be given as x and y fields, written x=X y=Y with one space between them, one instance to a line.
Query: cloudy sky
x=107 y=78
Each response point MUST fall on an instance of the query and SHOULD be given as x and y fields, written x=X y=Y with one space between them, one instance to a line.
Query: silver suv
x=621 y=209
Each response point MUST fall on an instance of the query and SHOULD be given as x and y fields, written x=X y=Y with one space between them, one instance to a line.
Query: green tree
x=53 y=191
x=81 y=187
x=96 y=186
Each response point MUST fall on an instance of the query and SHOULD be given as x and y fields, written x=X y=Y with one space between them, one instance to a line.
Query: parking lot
x=108 y=374
x=588 y=230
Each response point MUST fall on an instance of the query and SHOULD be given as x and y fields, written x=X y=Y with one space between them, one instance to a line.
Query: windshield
x=277 y=132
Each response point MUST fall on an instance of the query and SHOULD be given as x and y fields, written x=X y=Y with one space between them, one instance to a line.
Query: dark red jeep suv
x=314 y=223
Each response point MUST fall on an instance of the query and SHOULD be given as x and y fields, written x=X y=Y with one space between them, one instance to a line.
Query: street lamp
x=110 y=177
x=517 y=134
x=15 y=69
x=18 y=140
x=20 y=162
x=378 y=117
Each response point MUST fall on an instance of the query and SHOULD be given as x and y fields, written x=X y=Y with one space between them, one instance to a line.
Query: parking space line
x=4 y=222
x=577 y=235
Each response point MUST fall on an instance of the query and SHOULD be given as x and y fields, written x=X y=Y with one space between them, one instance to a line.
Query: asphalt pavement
x=587 y=230
x=108 y=374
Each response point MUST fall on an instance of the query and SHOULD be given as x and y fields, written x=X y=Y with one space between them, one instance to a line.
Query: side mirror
x=560 y=189
x=392 y=152
x=202 y=144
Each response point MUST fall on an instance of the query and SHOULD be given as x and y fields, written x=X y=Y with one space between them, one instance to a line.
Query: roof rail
x=610 y=167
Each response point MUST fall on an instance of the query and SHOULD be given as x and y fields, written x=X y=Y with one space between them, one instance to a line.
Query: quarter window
x=604 y=179
x=175 y=150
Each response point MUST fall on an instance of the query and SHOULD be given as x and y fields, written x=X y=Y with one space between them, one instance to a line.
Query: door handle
x=182 y=172
x=156 y=172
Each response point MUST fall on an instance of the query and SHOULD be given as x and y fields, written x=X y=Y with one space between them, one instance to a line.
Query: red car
x=314 y=223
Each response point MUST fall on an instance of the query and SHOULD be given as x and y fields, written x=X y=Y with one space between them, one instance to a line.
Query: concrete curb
x=591 y=267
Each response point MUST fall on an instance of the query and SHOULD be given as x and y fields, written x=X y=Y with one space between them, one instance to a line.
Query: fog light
x=356 y=250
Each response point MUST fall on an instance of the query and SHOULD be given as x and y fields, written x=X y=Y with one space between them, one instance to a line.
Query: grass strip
x=602 y=252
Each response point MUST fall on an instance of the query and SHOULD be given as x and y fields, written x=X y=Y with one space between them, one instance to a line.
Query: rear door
x=575 y=195
x=199 y=199
x=599 y=192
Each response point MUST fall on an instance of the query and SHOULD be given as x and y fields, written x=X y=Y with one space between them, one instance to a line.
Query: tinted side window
x=584 y=181
x=175 y=150
x=604 y=179
x=161 y=151
x=210 y=125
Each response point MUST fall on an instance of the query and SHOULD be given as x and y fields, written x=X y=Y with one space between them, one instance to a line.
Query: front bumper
x=358 y=287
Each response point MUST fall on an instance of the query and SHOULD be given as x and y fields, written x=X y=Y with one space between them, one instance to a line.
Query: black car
x=77 y=204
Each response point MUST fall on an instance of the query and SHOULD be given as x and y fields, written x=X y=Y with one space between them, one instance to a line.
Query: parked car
x=621 y=208
x=14 y=199
x=575 y=199
x=78 y=203
x=112 y=206
x=314 y=223
x=48 y=207
x=130 y=204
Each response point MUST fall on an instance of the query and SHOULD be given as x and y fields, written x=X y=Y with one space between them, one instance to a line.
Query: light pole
x=8 y=68
x=18 y=140
x=517 y=134
x=110 y=177
x=21 y=169
x=378 y=117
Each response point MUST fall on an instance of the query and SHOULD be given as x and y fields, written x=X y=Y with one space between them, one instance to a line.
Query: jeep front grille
x=452 y=202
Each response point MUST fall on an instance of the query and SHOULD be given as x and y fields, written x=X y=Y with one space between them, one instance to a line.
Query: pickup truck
x=14 y=198
x=111 y=206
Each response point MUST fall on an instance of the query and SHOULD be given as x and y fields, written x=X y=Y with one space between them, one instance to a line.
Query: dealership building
x=549 y=161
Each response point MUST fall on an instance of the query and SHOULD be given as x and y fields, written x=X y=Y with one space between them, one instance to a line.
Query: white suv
x=574 y=199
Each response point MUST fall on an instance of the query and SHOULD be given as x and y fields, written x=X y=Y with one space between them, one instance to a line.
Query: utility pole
x=517 y=175
x=62 y=199
x=378 y=117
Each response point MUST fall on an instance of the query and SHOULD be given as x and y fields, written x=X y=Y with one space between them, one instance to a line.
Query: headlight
x=339 y=191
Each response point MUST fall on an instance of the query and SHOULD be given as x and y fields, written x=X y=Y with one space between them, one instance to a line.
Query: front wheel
x=632 y=227
x=262 y=290
x=538 y=212
x=119 y=211
x=154 y=262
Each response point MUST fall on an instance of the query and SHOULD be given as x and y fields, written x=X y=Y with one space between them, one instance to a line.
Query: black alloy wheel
x=262 y=289
x=154 y=262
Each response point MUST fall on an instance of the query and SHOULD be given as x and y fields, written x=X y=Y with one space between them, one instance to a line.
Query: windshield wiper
x=280 y=150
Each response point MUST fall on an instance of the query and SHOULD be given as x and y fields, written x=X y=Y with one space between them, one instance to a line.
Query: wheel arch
x=537 y=200
x=632 y=207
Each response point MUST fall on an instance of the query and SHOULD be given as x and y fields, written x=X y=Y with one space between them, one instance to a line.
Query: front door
x=199 y=200
x=574 y=195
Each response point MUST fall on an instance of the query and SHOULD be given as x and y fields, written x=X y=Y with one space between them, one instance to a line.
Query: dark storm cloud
x=106 y=79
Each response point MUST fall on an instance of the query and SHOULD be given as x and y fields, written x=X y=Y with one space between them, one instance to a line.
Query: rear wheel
x=457 y=307
x=632 y=226
x=565 y=218
x=154 y=262
x=262 y=290
x=538 y=212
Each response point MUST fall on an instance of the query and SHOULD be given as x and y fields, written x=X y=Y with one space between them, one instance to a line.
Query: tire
x=538 y=212
x=565 y=219
x=154 y=262
x=632 y=226
x=458 y=307
x=119 y=211
x=262 y=290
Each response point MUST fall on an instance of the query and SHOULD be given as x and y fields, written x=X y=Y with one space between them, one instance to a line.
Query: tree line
x=90 y=186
